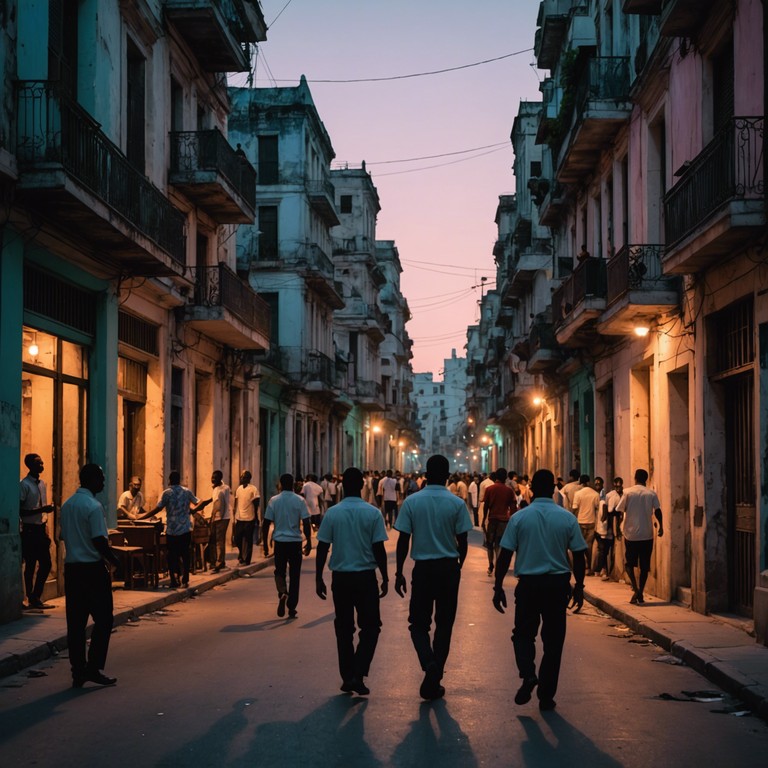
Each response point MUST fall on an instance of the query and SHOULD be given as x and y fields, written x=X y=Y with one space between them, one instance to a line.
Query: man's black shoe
x=293 y=615
x=37 y=603
x=359 y=687
x=348 y=686
x=92 y=677
x=523 y=695
x=430 y=686
x=281 y=605
x=547 y=705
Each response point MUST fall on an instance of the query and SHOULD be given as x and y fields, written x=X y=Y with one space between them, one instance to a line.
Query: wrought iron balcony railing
x=606 y=78
x=219 y=286
x=53 y=129
x=587 y=281
x=210 y=151
x=637 y=268
x=729 y=168
x=319 y=367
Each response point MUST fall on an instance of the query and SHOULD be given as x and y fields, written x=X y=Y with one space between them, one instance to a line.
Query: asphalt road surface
x=219 y=680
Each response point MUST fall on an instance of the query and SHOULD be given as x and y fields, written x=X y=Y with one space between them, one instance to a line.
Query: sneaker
x=523 y=695
x=634 y=599
x=92 y=677
x=605 y=578
x=281 y=605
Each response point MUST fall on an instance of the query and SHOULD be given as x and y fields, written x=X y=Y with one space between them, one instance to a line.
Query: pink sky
x=441 y=218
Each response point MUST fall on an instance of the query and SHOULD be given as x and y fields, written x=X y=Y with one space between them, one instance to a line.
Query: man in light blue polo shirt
x=289 y=514
x=433 y=523
x=354 y=532
x=542 y=534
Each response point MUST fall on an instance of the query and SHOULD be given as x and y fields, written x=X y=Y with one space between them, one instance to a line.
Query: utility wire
x=432 y=157
x=440 y=165
x=269 y=26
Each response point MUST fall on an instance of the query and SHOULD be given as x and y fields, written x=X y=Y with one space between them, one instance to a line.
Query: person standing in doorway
x=87 y=580
x=354 y=533
x=637 y=508
x=35 y=542
x=288 y=512
x=542 y=534
x=246 y=516
x=433 y=524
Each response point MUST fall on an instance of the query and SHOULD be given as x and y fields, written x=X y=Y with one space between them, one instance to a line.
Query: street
x=221 y=681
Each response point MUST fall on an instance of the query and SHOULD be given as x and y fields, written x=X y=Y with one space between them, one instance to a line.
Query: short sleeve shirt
x=585 y=503
x=245 y=495
x=638 y=504
x=175 y=501
x=433 y=517
x=286 y=511
x=541 y=534
x=130 y=503
x=352 y=527
x=500 y=501
x=82 y=520
x=33 y=495
x=312 y=493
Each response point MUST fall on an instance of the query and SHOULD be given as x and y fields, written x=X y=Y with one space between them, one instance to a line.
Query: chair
x=146 y=538
x=130 y=556
x=201 y=535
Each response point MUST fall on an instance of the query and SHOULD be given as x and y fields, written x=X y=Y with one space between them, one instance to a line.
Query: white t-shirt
x=312 y=493
x=222 y=509
x=585 y=503
x=245 y=495
x=638 y=504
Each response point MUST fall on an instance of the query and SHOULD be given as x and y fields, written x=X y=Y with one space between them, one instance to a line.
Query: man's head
x=584 y=480
x=286 y=482
x=438 y=470
x=542 y=484
x=389 y=473
x=174 y=478
x=599 y=483
x=135 y=485
x=618 y=484
x=34 y=463
x=641 y=476
x=92 y=478
x=500 y=475
x=216 y=478
x=245 y=477
x=574 y=475
x=352 y=481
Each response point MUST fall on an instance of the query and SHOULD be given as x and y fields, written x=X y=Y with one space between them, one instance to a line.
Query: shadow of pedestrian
x=565 y=746
x=331 y=735
x=434 y=739
x=259 y=626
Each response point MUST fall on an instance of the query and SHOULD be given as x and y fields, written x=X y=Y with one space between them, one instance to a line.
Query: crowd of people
x=552 y=528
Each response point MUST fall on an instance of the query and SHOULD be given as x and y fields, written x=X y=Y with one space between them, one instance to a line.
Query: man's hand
x=320 y=588
x=577 y=598
x=661 y=531
x=499 y=599
x=400 y=587
x=384 y=589
x=307 y=549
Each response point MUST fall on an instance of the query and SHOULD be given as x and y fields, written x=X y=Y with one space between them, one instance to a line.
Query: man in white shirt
x=569 y=489
x=637 y=508
x=485 y=483
x=221 y=513
x=586 y=501
x=388 y=487
x=312 y=492
x=247 y=500
x=130 y=505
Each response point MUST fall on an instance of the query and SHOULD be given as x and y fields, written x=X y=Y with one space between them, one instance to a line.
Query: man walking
x=541 y=534
x=87 y=582
x=246 y=516
x=586 y=502
x=500 y=504
x=637 y=508
x=35 y=542
x=389 y=492
x=354 y=532
x=289 y=514
x=433 y=523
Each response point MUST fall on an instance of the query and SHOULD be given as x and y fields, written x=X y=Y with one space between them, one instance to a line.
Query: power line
x=269 y=26
x=414 y=74
x=440 y=165
x=432 y=157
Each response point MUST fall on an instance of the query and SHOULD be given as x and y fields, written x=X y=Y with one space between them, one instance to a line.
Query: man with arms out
x=586 y=502
x=246 y=517
x=35 y=542
x=130 y=505
x=636 y=510
x=87 y=582
x=177 y=502
x=433 y=523
x=289 y=514
x=354 y=532
x=500 y=505
x=221 y=514
x=541 y=534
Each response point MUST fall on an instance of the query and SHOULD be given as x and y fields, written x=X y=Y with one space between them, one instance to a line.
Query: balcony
x=523 y=271
x=227 y=309
x=218 y=31
x=637 y=290
x=322 y=196
x=214 y=176
x=552 y=26
x=682 y=18
x=579 y=302
x=719 y=203
x=369 y=395
x=319 y=373
x=78 y=179
x=317 y=270
x=361 y=316
x=642 y=7
x=543 y=350
x=552 y=205
x=601 y=107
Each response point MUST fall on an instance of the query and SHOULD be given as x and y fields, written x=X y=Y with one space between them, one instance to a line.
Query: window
x=177 y=418
x=135 y=108
x=268 y=160
x=268 y=242
x=177 y=106
x=535 y=169
x=345 y=204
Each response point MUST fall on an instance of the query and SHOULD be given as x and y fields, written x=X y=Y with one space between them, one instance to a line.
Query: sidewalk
x=717 y=648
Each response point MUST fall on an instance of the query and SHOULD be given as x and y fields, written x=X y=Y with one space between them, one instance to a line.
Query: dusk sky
x=439 y=210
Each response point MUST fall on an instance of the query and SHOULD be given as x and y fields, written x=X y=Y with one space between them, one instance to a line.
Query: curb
x=15 y=663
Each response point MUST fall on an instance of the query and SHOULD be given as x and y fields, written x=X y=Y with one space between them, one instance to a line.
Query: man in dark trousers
x=500 y=505
x=87 y=582
x=288 y=512
x=354 y=532
x=433 y=523
x=541 y=534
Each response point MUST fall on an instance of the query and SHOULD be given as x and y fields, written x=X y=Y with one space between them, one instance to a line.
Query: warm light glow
x=33 y=350
x=484 y=438
x=641 y=331
x=537 y=400
x=402 y=443
x=376 y=429
x=470 y=420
